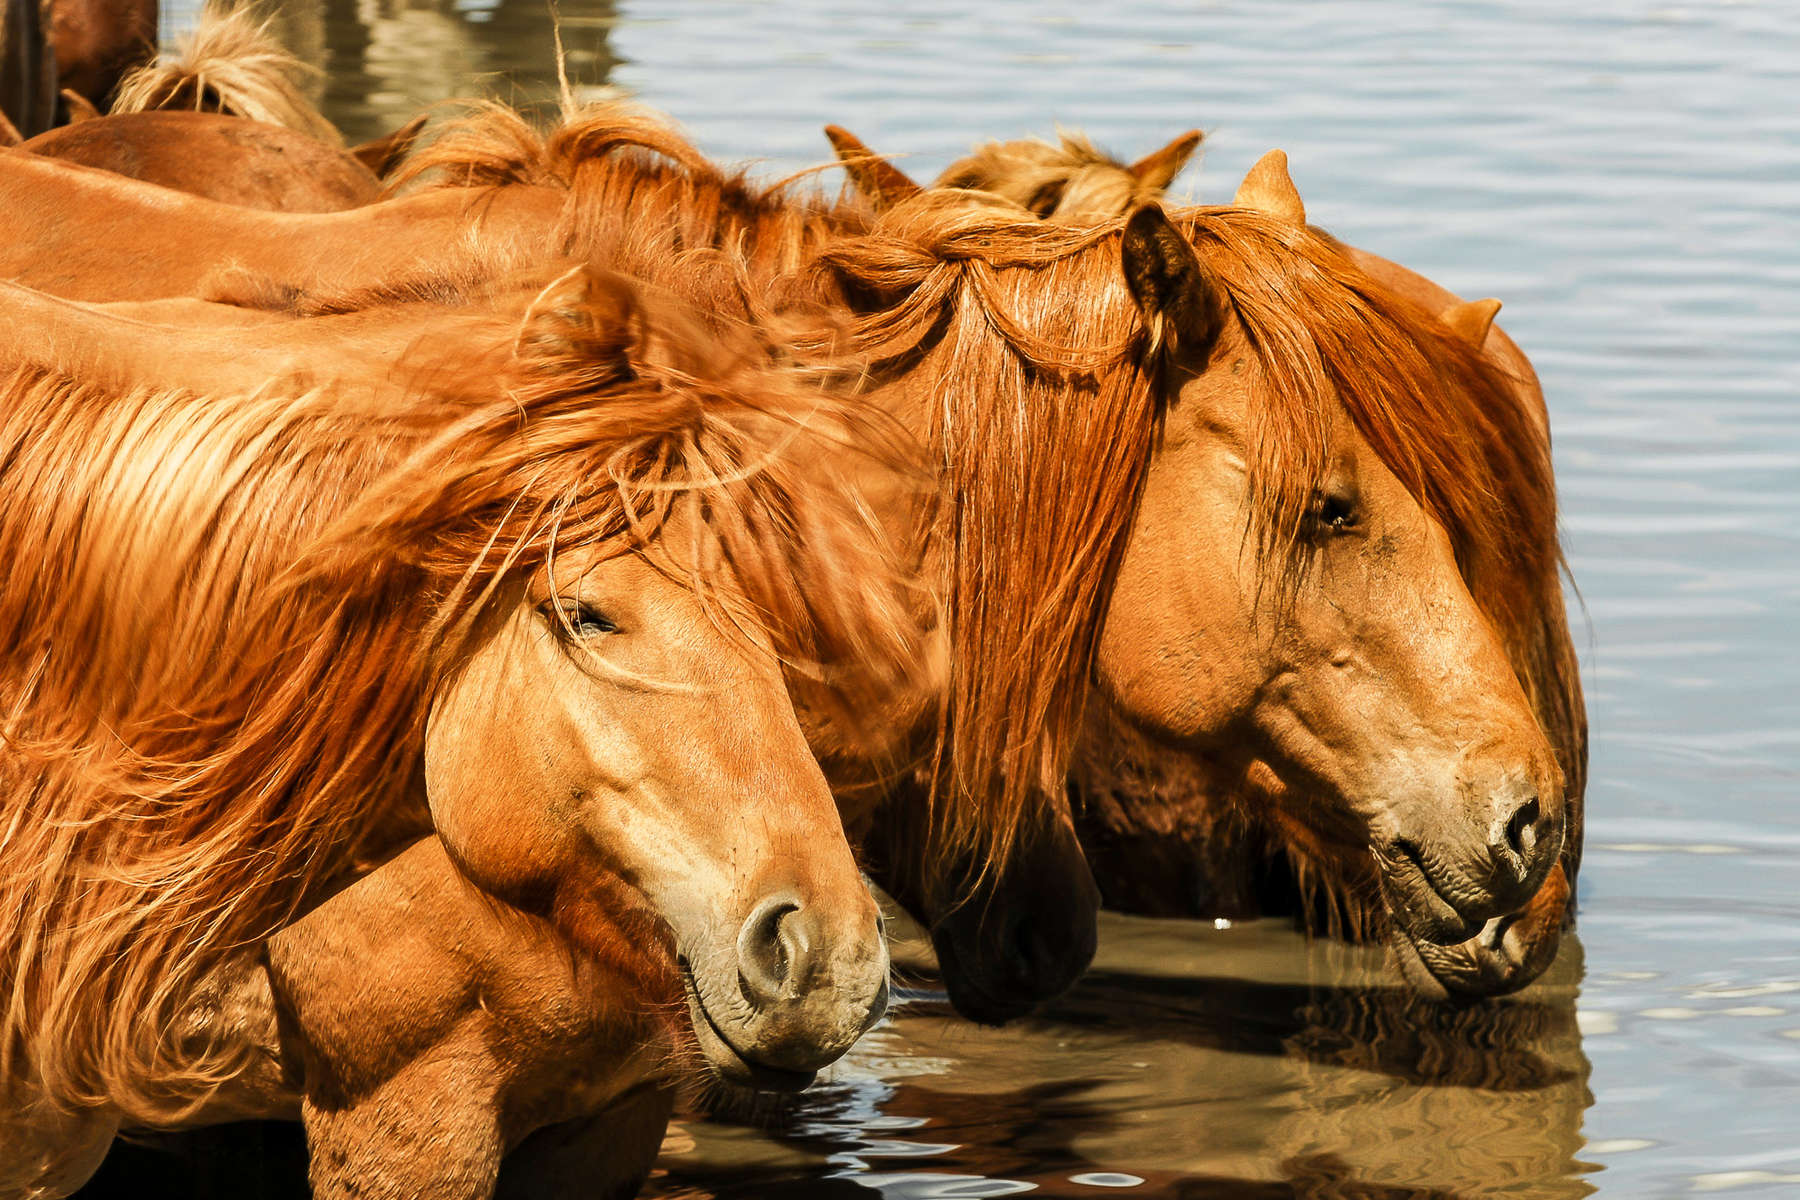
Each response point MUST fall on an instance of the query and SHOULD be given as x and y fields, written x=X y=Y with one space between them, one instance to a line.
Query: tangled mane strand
x=1046 y=420
x=1042 y=424
x=184 y=769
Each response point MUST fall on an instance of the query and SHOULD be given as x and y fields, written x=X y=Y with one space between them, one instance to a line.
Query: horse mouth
x=1507 y=953
x=1491 y=963
x=1419 y=903
x=967 y=997
x=724 y=1059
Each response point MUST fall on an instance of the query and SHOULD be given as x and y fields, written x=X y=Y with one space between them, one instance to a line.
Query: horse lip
x=1399 y=857
x=1475 y=969
x=725 y=1059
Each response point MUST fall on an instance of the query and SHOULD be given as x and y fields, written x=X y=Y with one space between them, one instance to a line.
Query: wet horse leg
x=603 y=1157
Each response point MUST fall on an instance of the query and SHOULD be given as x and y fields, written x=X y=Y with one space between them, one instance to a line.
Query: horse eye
x=576 y=619
x=1336 y=512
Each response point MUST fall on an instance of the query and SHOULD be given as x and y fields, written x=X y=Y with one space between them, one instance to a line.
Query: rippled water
x=1626 y=177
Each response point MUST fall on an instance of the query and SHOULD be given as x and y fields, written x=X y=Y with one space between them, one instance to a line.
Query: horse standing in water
x=512 y=602
x=1043 y=354
x=1169 y=835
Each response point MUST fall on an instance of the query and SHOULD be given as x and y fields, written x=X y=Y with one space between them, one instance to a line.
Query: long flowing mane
x=1044 y=425
x=226 y=617
x=1045 y=420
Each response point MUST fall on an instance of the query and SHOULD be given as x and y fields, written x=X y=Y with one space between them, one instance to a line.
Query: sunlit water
x=1627 y=179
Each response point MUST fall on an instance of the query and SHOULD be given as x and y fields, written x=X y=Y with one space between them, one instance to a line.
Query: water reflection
x=384 y=60
x=1243 y=1064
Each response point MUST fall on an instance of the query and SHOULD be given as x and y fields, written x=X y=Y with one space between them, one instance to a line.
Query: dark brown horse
x=99 y=42
x=28 y=86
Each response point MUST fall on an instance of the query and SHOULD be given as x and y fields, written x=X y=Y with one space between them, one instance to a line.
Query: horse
x=230 y=159
x=1106 y=560
x=226 y=119
x=512 y=603
x=411 y=1005
x=232 y=64
x=1179 y=848
x=1014 y=953
x=97 y=43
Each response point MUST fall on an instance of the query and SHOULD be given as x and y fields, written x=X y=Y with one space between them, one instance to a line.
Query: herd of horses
x=481 y=606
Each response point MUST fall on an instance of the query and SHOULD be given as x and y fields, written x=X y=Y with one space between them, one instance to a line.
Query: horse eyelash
x=569 y=618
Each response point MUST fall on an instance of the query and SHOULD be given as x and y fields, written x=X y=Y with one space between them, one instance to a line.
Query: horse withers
x=512 y=600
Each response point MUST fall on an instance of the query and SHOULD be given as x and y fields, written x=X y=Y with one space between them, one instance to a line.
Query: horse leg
x=28 y=87
x=606 y=1156
x=430 y=1132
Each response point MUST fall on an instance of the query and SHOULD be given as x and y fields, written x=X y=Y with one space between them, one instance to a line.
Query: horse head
x=1293 y=608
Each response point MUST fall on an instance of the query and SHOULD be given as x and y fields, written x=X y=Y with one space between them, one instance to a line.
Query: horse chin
x=725 y=1060
x=1419 y=905
x=1507 y=954
x=968 y=998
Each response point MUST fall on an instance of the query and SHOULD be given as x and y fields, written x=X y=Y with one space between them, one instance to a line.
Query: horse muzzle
x=795 y=989
x=1503 y=956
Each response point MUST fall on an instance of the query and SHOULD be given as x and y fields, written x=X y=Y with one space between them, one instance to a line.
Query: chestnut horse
x=1004 y=954
x=1042 y=361
x=230 y=159
x=230 y=64
x=1186 y=846
x=226 y=119
x=514 y=604
x=413 y=1008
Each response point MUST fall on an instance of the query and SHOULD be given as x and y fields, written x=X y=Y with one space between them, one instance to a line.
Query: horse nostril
x=772 y=949
x=1522 y=830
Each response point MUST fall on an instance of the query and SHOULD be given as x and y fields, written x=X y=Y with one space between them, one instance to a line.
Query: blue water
x=1626 y=178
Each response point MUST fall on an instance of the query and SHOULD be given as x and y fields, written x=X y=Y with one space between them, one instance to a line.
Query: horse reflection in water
x=1288 y=1071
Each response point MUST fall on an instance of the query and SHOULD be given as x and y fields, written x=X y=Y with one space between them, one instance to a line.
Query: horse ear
x=1268 y=188
x=875 y=177
x=383 y=154
x=79 y=106
x=1158 y=170
x=585 y=321
x=1181 y=308
x=9 y=133
x=1470 y=320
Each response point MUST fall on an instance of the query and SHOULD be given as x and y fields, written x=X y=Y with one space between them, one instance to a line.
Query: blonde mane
x=231 y=64
x=1069 y=179
x=226 y=618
